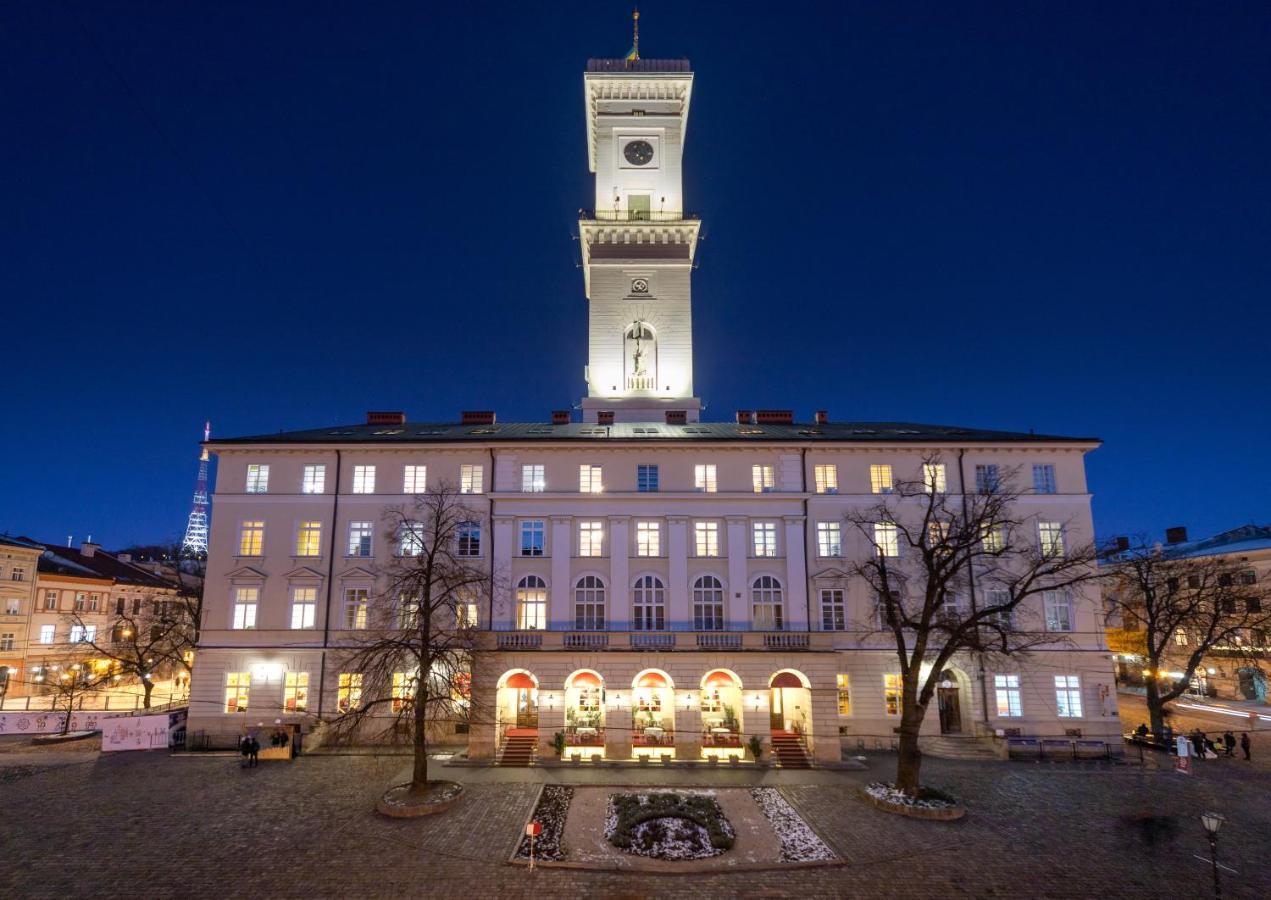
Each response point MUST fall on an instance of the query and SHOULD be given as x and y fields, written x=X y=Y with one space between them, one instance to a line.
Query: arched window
x=648 y=604
x=767 y=612
x=531 y=602
x=589 y=604
x=708 y=604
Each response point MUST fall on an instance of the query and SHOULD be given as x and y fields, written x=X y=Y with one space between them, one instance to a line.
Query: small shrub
x=755 y=746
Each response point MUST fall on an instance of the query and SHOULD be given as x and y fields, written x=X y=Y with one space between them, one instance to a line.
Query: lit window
x=767 y=611
x=648 y=604
x=295 y=692
x=763 y=479
x=1008 y=702
x=833 y=616
x=12 y=606
x=1180 y=637
x=466 y=615
x=845 y=694
x=533 y=536
x=1050 y=536
x=357 y=604
x=533 y=479
x=414 y=479
x=403 y=690
x=6 y=642
x=1058 y=607
x=471 y=479
x=531 y=602
x=589 y=604
x=987 y=479
x=829 y=539
x=309 y=539
x=348 y=691
x=589 y=479
x=360 y=537
x=364 y=479
x=1044 y=478
x=647 y=478
x=237 y=685
x=314 y=480
x=764 y=539
x=704 y=478
x=304 y=605
x=893 y=689
x=886 y=539
x=708 y=604
x=827 y=479
x=706 y=538
x=83 y=634
x=469 y=539
x=245 y=600
x=994 y=539
x=251 y=538
x=1068 y=696
x=648 y=539
x=933 y=478
x=410 y=539
x=880 y=478
x=47 y=633
x=937 y=533
x=257 y=479
x=591 y=538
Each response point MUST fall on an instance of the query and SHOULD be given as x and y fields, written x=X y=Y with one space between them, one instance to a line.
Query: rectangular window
x=589 y=479
x=314 y=480
x=81 y=601
x=410 y=539
x=94 y=602
x=880 y=479
x=763 y=478
x=706 y=538
x=245 y=600
x=1058 y=607
x=533 y=479
x=833 y=613
x=647 y=479
x=50 y=599
x=1068 y=696
x=348 y=691
x=12 y=606
x=251 y=538
x=414 y=479
x=257 y=479
x=1001 y=599
x=1044 y=479
x=466 y=615
x=886 y=539
x=6 y=640
x=357 y=603
x=987 y=479
x=827 y=479
x=471 y=479
x=1007 y=687
x=591 y=538
x=1180 y=637
x=403 y=690
x=360 y=537
x=648 y=539
x=304 y=605
x=994 y=539
x=47 y=633
x=18 y=573
x=309 y=539
x=829 y=539
x=237 y=685
x=533 y=537
x=892 y=691
x=469 y=539
x=764 y=539
x=295 y=692
x=1050 y=537
x=364 y=479
x=83 y=634
x=845 y=694
x=933 y=478
x=704 y=478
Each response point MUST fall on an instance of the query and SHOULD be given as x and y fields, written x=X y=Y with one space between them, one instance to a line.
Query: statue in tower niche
x=638 y=377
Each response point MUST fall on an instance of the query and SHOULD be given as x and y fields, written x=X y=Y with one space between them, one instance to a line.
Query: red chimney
x=560 y=417
x=386 y=418
x=676 y=417
x=743 y=417
x=604 y=417
x=774 y=416
x=476 y=417
x=822 y=417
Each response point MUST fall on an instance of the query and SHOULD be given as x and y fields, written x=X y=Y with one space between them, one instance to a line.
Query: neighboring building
x=667 y=586
x=18 y=562
x=1236 y=670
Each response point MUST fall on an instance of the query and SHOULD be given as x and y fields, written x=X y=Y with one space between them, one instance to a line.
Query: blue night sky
x=279 y=215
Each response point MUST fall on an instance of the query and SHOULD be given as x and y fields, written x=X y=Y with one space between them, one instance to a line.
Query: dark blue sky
x=279 y=215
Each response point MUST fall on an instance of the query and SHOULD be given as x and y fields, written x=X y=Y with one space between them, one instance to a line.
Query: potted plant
x=730 y=718
x=558 y=742
x=755 y=746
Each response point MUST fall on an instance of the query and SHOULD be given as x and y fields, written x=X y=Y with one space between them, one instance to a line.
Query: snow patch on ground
x=888 y=793
x=799 y=843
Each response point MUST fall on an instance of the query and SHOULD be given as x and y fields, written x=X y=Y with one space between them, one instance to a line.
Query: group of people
x=249 y=747
x=1202 y=745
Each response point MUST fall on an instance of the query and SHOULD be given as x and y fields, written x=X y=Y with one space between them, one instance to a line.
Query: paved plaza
x=154 y=825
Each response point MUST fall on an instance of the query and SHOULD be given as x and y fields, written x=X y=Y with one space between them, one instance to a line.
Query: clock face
x=638 y=153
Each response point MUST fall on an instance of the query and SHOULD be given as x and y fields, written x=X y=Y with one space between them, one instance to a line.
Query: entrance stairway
x=519 y=747
x=957 y=746
x=789 y=751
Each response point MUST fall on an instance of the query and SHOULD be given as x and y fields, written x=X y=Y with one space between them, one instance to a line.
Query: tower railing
x=638 y=65
x=636 y=215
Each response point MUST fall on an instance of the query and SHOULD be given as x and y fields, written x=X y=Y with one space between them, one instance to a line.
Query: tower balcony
x=636 y=215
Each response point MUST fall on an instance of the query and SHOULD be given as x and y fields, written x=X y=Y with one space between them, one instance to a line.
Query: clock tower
x=638 y=243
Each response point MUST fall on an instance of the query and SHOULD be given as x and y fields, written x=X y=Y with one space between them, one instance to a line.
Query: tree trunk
x=909 y=757
x=1155 y=707
x=419 y=775
x=148 y=687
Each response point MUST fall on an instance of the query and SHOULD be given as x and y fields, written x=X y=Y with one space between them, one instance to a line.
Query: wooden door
x=777 y=718
x=950 y=712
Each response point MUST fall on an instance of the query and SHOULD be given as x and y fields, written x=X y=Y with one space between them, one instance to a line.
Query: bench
x=1090 y=749
x=1023 y=748
x=1053 y=748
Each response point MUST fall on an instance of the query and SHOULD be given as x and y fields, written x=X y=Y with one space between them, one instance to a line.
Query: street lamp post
x=1212 y=822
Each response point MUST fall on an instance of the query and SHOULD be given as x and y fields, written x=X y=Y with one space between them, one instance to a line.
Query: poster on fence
x=43 y=721
x=135 y=733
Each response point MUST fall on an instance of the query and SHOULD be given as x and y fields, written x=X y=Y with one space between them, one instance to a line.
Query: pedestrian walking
x=1245 y=744
x=1198 y=742
x=1229 y=743
x=245 y=748
x=254 y=748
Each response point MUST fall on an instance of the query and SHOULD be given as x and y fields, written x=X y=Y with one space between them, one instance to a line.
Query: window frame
x=363 y=481
x=313 y=479
x=533 y=478
x=706 y=478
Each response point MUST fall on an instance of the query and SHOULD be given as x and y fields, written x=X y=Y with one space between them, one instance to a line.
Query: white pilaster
x=677 y=569
x=619 y=572
x=558 y=607
x=796 y=574
x=501 y=559
x=738 y=610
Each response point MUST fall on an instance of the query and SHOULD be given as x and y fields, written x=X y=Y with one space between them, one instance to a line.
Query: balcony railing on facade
x=638 y=65
x=573 y=639
x=636 y=215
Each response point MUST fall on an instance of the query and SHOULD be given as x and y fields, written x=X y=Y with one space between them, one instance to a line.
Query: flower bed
x=551 y=811
x=799 y=843
x=929 y=804
x=399 y=803
x=669 y=826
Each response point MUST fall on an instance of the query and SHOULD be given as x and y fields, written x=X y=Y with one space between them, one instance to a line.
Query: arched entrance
x=652 y=714
x=517 y=700
x=585 y=711
x=790 y=702
x=950 y=692
x=721 y=713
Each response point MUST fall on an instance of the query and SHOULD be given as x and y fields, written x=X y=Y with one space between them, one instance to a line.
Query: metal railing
x=568 y=638
x=636 y=215
x=638 y=65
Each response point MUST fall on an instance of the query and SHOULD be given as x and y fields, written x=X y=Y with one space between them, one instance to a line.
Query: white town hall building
x=671 y=587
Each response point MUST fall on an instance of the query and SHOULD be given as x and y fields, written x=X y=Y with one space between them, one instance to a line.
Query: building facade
x=18 y=562
x=663 y=586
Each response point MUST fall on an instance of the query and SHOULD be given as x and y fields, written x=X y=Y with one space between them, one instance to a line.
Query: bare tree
x=953 y=573
x=69 y=680
x=411 y=646
x=1206 y=602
